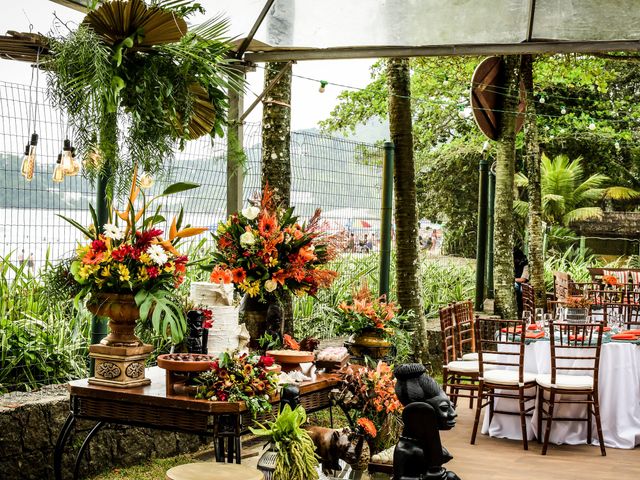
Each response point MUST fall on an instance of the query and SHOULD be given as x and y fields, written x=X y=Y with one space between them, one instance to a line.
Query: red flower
x=214 y=365
x=222 y=396
x=98 y=246
x=238 y=275
x=368 y=427
x=144 y=238
x=266 y=361
x=153 y=272
x=119 y=254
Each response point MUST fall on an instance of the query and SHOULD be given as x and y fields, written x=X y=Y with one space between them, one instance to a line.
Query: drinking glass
x=539 y=313
x=546 y=319
x=560 y=314
x=526 y=316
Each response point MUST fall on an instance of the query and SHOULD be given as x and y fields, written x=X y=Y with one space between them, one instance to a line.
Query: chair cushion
x=463 y=367
x=507 y=377
x=473 y=357
x=566 y=382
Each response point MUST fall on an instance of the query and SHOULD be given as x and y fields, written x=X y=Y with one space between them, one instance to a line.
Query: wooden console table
x=150 y=406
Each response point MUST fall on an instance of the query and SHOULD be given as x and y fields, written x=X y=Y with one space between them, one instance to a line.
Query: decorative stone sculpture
x=194 y=340
x=419 y=455
x=290 y=396
x=334 y=445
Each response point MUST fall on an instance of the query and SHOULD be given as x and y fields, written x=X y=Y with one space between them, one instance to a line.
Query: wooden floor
x=500 y=459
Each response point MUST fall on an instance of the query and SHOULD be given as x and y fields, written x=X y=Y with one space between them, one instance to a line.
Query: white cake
x=225 y=332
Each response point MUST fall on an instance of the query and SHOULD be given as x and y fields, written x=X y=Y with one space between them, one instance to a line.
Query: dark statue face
x=445 y=412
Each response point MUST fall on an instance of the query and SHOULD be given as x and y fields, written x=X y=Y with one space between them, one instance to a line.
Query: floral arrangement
x=130 y=255
x=370 y=392
x=610 y=280
x=240 y=378
x=362 y=311
x=266 y=252
x=577 y=301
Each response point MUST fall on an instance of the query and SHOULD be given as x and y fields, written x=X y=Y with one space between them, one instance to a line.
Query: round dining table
x=619 y=393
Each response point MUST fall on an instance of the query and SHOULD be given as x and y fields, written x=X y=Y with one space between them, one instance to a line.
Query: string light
x=58 y=171
x=29 y=160
x=542 y=100
x=146 y=181
x=323 y=84
x=563 y=110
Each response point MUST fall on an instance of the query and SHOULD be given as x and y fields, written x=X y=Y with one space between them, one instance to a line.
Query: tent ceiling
x=311 y=29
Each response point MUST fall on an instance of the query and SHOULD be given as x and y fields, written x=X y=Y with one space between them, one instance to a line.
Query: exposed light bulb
x=58 y=171
x=75 y=164
x=563 y=110
x=146 y=181
x=29 y=160
x=542 y=100
x=617 y=145
x=592 y=126
x=67 y=157
x=323 y=84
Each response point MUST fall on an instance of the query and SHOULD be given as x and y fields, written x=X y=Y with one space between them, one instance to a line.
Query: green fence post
x=481 y=250
x=385 y=217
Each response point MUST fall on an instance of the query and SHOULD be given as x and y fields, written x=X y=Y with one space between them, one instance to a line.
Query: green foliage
x=154 y=92
x=43 y=339
x=297 y=459
x=567 y=196
x=572 y=261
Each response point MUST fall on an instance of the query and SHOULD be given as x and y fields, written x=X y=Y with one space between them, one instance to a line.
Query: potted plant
x=369 y=321
x=246 y=378
x=291 y=445
x=267 y=254
x=577 y=308
x=129 y=273
x=369 y=395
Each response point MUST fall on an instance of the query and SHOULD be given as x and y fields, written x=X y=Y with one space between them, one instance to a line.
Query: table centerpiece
x=129 y=273
x=267 y=254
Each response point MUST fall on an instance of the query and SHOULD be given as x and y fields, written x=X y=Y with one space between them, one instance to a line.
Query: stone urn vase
x=121 y=355
x=370 y=342
x=123 y=313
x=259 y=318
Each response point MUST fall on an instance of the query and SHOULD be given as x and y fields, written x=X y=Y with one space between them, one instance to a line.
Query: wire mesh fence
x=39 y=343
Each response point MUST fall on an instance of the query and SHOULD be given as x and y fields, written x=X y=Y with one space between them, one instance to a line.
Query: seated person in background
x=521 y=274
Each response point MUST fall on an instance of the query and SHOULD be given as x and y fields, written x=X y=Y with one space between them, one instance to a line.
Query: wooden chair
x=465 y=335
x=457 y=375
x=586 y=341
x=528 y=298
x=503 y=376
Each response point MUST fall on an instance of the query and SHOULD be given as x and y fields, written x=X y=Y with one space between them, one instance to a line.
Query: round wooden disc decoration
x=487 y=84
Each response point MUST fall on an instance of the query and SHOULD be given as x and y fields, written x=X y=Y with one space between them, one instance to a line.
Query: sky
x=308 y=105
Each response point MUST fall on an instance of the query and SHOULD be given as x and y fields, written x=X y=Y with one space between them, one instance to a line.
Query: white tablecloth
x=619 y=386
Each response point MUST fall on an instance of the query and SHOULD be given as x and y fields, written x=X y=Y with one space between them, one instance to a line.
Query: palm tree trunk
x=406 y=212
x=505 y=172
x=534 y=193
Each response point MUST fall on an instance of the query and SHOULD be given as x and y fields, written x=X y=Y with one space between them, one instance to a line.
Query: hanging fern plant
x=135 y=82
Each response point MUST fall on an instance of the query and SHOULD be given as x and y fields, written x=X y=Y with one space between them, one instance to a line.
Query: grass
x=155 y=469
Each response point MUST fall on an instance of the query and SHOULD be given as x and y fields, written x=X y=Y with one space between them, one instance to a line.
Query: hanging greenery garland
x=135 y=82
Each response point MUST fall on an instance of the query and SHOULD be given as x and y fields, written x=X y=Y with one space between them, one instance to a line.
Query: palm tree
x=566 y=196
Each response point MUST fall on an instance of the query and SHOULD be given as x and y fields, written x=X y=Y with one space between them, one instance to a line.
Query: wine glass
x=539 y=313
x=546 y=319
x=526 y=316
x=560 y=311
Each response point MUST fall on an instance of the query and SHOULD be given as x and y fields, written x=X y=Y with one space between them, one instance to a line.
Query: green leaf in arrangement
x=179 y=187
x=79 y=227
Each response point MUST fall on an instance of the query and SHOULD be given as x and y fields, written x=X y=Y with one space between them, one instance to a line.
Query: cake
x=225 y=332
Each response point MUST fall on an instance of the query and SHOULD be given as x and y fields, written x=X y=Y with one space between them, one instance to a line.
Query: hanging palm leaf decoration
x=136 y=64
x=117 y=20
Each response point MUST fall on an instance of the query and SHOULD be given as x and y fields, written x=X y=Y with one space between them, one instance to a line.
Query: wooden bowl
x=168 y=362
x=291 y=359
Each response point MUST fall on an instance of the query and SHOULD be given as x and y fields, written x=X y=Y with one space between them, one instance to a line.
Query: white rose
x=270 y=285
x=250 y=212
x=247 y=239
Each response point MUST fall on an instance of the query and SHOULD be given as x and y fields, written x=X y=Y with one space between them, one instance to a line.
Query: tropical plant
x=296 y=454
x=361 y=311
x=135 y=64
x=268 y=254
x=242 y=378
x=572 y=261
x=134 y=258
x=567 y=196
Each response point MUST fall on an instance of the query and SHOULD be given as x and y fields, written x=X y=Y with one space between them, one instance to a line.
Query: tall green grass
x=43 y=339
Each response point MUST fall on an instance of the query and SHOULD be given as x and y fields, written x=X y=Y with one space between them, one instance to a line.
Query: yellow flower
x=273 y=262
x=105 y=272
x=143 y=275
x=146 y=259
x=87 y=270
x=123 y=271
x=82 y=251
x=170 y=267
x=250 y=288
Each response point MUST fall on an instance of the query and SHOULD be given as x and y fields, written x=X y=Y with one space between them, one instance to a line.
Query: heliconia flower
x=250 y=213
x=157 y=254
x=114 y=232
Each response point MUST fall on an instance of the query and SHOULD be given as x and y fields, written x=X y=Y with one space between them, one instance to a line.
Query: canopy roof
x=311 y=29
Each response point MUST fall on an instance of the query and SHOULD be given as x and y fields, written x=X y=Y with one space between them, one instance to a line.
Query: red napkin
x=579 y=338
x=533 y=326
x=605 y=329
x=631 y=332
x=534 y=335
x=511 y=329
x=623 y=336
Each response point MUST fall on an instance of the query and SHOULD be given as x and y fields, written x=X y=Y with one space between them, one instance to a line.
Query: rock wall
x=29 y=427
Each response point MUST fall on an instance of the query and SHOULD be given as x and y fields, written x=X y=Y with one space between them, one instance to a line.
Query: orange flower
x=221 y=275
x=610 y=280
x=368 y=427
x=267 y=225
x=92 y=258
x=280 y=276
x=307 y=254
x=238 y=275
x=289 y=342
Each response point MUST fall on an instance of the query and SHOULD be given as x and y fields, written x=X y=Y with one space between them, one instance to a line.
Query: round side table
x=213 y=471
